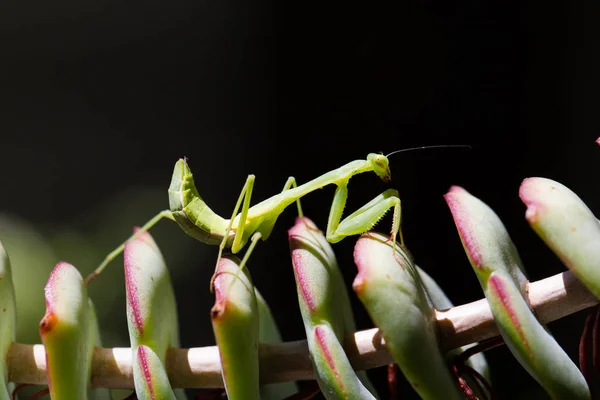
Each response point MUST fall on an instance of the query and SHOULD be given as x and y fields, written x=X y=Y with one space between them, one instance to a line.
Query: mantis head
x=380 y=165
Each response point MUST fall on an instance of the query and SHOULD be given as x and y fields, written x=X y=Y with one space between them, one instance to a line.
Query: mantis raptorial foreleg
x=363 y=219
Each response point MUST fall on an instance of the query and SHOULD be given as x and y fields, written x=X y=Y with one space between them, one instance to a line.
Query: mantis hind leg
x=244 y=202
x=363 y=219
x=253 y=240
x=113 y=254
x=290 y=183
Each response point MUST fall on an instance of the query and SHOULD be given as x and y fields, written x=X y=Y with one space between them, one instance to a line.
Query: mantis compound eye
x=380 y=166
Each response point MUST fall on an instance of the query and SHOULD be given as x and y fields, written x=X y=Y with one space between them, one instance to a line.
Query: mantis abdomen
x=190 y=212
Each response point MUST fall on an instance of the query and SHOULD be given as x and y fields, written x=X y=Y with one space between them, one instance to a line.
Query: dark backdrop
x=102 y=96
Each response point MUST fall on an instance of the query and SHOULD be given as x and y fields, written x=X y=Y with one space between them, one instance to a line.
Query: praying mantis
x=256 y=222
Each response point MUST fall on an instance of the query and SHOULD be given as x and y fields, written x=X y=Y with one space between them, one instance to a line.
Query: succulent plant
x=435 y=345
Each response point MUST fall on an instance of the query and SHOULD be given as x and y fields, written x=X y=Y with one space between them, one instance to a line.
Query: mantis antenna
x=439 y=146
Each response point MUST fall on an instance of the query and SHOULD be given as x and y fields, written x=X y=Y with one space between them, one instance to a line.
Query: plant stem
x=551 y=298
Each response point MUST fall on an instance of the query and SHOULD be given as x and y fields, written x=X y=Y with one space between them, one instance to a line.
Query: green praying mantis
x=254 y=223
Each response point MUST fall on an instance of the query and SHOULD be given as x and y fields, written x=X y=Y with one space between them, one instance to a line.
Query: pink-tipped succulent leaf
x=69 y=331
x=498 y=267
x=235 y=321
x=326 y=312
x=151 y=313
x=566 y=225
x=389 y=286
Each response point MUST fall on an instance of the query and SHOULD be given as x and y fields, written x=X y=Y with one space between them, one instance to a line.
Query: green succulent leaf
x=69 y=331
x=498 y=267
x=389 y=286
x=269 y=333
x=440 y=301
x=326 y=312
x=151 y=380
x=235 y=322
x=566 y=225
x=31 y=259
x=8 y=320
x=151 y=313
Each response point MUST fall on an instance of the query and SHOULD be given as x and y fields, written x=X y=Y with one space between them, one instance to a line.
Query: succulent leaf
x=269 y=333
x=151 y=313
x=440 y=301
x=566 y=225
x=326 y=312
x=151 y=380
x=8 y=320
x=69 y=331
x=31 y=255
x=498 y=267
x=390 y=288
x=235 y=321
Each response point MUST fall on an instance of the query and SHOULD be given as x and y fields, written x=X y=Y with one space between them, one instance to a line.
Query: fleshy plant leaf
x=151 y=380
x=269 y=333
x=235 y=322
x=326 y=312
x=151 y=315
x=389 y=286
x=69 y=331
x=8 y=319
x=566 y=225
x=498 y=267
x=440 y=301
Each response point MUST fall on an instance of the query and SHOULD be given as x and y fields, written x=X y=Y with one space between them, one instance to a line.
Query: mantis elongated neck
x=342 y=174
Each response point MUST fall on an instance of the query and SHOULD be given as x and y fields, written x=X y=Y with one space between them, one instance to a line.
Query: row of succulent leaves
x=400 y=298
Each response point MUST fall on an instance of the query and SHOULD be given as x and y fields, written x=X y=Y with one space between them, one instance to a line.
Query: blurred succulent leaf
x=150 y=377
x=31 y=259
x=389 y=286
x=151 y=311
x=566 y=225
x=94 y=332
x=8 y=320
x=440 y=301
x=326 y=312
x=235 y=322
x=69 y=332
x=269 y=333
x=497 y=265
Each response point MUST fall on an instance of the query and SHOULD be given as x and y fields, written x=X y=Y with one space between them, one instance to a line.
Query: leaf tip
x=457 y=199
x=453 y=198
x=48 y=323
x=529 y=191
x=302 y=224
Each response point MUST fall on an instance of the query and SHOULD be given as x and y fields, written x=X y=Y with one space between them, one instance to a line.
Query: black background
x=100 y=96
